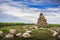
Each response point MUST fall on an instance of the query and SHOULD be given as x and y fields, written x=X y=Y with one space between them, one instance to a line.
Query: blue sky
x=28 y=11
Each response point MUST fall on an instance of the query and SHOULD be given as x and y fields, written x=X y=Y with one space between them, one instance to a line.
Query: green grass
x=35 y=35
x=13 y=24
x=54 y=25
x=3 y=24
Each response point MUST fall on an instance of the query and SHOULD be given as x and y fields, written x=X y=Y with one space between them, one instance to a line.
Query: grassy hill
x=39 y=34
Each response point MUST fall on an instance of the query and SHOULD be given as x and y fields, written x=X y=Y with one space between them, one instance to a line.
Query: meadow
x=36 y=34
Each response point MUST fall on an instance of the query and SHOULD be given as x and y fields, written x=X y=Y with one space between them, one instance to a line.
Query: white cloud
x=5 y=0
x=53 y=17
x=30 y=14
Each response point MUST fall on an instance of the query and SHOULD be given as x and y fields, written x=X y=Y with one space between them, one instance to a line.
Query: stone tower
x=42 y=21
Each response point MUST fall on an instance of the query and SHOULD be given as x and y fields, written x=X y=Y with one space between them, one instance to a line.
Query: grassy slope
x=36 y=34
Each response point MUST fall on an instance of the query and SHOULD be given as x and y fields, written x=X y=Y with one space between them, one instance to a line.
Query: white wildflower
x=26 y=35
x=13 y=31
x=9 y=36
x=18 y=34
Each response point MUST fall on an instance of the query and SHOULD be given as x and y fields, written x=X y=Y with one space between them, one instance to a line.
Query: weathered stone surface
x=42 y=21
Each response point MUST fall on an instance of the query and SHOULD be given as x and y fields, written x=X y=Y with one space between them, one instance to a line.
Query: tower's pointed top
x=41 y=13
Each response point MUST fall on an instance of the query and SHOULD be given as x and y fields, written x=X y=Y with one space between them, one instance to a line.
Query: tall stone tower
x=42 y=21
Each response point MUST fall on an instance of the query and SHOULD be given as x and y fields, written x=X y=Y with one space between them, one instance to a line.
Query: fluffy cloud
x=27 y=14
